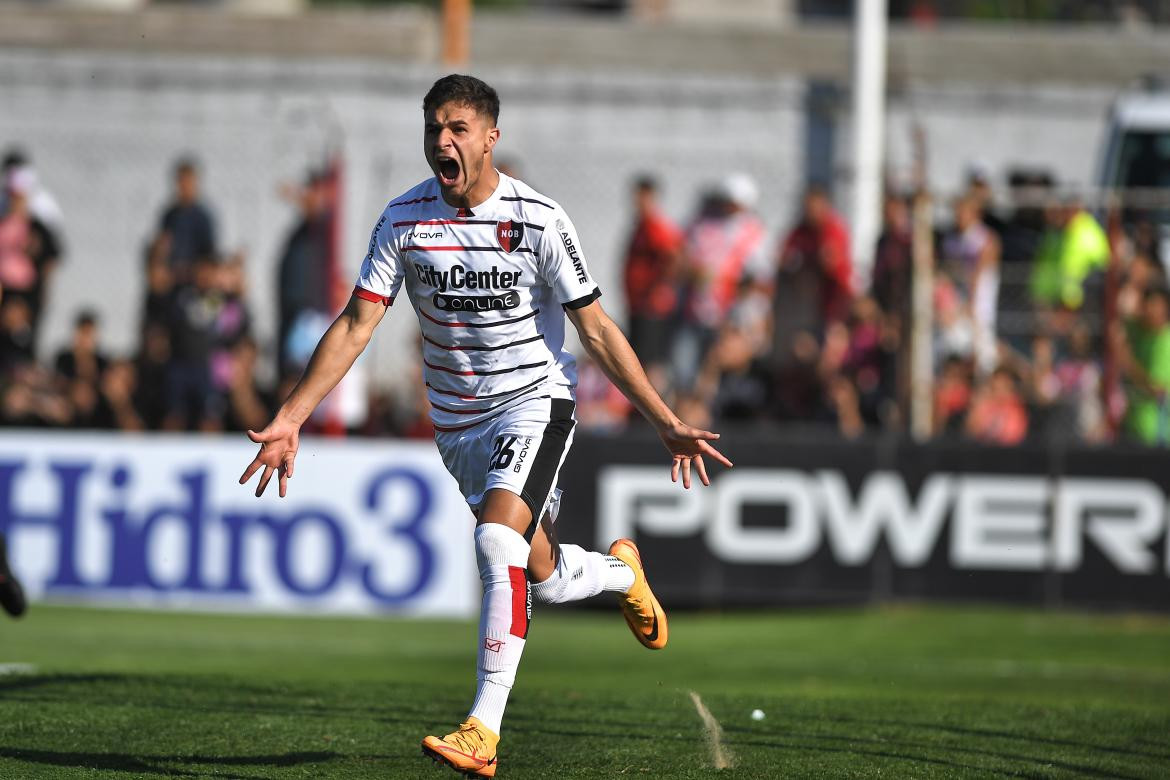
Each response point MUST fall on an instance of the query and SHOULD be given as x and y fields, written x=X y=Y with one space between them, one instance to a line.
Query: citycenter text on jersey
x=459 y=278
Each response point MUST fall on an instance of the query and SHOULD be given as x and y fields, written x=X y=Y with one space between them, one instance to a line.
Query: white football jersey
x=488 y=285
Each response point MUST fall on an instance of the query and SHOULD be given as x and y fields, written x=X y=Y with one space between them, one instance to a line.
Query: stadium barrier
x=161 y=521
x=819 y=520
x=379 y=527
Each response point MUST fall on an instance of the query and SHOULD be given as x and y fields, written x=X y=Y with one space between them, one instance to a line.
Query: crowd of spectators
x=1025 y=329
x=1040 y=323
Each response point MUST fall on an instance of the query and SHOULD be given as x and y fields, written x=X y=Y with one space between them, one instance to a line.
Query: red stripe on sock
x=520 y=601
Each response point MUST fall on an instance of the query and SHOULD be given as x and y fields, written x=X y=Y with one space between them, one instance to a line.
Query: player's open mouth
x=448 y=169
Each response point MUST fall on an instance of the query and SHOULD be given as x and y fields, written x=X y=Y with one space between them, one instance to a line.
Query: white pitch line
x=7 y=669
x=720 y=756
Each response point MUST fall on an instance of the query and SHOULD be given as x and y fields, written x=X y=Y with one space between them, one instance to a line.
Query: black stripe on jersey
x=514 y=391
x=416 y=248
x=491 y=324
x=428 y=199
x=527 y=200
x=477 y=348
x=493 y=372
x=584 y=300
x=410 y=222
x=407 y=222
x=542 y=476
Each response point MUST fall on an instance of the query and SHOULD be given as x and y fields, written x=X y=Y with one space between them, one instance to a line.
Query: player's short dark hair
x=465 y=91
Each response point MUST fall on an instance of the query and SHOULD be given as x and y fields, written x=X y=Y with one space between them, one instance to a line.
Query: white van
x=1137 y=157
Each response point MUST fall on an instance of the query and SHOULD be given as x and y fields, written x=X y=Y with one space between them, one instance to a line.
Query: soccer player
x=488 y=265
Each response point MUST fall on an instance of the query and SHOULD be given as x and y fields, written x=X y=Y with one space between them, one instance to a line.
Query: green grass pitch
x=887 y=692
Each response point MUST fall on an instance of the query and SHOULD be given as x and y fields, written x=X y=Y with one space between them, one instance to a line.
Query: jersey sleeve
x=562 y=264
x=382 y=270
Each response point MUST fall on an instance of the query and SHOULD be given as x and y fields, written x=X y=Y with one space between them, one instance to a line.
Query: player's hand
x=687 y=446
x=278 y=450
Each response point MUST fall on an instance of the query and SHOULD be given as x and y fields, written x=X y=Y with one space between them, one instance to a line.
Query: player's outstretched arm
x=606 y=344
x=335 y=353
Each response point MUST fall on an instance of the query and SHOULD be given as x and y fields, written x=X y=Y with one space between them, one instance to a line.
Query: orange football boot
x=643 y=613
x=470 y=751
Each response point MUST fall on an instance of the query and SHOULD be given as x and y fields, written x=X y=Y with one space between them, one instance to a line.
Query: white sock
x=502 y=555
x=581 y=573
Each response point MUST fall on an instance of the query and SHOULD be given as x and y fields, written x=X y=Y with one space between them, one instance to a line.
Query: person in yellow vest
x=1073 y=247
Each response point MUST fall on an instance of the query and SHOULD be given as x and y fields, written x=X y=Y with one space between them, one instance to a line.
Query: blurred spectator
x=870 y=362
x=31 y=400
x=303 y=270
x=41 y=202
x=815 y=262
x=249 y=405
x=233 y=319
x=979 y=191
x=1145 y=349
x=16 y=335
x=152 y=371
x=969 y=267
x=160 y=290
x=893 y=292
x=117 y=388
x=28 y=249
x=1067 y=385
x=735 y=379
x=651 y=264
x=723 y=244
x=193 y=402
x=1073 y=247
x=82 y=360
x=186 y=231
x=813 y=289
x=1022 y=232
x=893 y=265
x=952 y=396
x=998 y=414
x=1141 y=274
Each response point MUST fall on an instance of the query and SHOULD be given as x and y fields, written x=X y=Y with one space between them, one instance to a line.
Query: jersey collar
x=483 y=208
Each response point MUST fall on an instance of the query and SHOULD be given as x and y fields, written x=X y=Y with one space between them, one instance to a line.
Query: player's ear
x=493 y=135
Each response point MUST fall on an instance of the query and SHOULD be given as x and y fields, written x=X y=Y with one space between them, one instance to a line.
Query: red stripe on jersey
x=489 y=324
x=373 y=297
x=520 y=602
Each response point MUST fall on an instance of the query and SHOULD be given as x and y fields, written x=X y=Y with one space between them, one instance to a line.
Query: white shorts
x=520 y=451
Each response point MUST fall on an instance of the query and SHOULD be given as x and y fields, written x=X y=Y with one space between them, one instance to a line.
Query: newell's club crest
x=509 y=234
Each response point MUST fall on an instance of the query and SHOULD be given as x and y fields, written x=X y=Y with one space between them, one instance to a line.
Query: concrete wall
x=103 y=129
x=104 y=126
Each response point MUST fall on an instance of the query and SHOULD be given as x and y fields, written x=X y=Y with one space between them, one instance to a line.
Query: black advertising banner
x=820 y=520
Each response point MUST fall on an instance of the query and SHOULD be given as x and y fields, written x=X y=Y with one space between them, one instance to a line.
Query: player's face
x=458 y=143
